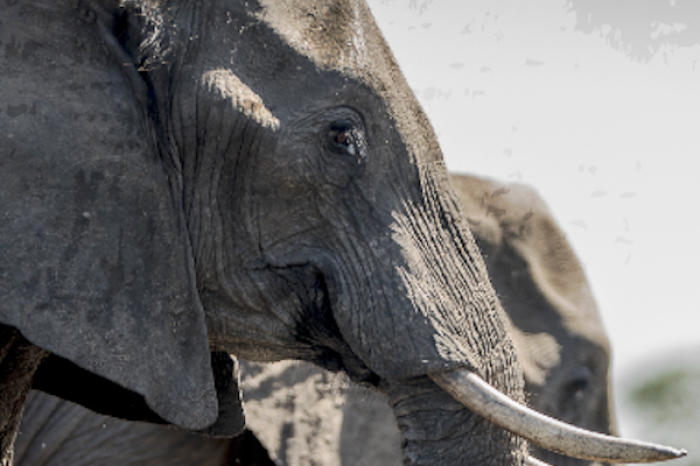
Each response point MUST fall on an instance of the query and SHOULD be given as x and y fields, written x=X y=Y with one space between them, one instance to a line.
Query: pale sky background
x=606 y=130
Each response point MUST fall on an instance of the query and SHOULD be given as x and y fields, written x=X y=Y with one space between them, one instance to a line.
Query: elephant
x=304 y=415
x=183 y=181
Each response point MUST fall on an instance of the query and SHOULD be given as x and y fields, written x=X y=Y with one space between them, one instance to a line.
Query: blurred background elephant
x=304 y=415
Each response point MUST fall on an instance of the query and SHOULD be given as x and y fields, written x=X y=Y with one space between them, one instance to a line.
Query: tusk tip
x=675 y=453
x=664 y=453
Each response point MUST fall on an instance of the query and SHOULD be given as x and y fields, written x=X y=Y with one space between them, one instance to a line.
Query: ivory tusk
x=530 y=461
x=474 y=393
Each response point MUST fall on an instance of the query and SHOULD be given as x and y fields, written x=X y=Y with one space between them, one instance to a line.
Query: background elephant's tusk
x=549 y=433
x=530 y=461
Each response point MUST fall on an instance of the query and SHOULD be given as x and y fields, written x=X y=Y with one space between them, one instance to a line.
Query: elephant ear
x=95 y=264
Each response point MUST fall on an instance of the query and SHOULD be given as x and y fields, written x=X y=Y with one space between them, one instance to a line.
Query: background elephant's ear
x=521 y=240
x=94 y=259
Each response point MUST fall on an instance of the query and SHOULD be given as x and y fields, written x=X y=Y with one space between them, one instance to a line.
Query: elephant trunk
x=542 y=430
x=439 y=430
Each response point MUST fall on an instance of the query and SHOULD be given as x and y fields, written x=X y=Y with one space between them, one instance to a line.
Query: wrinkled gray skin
x=303 y=415
x=246 y=177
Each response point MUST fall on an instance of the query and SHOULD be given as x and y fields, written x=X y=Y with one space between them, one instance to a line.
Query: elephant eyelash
x=347 y=139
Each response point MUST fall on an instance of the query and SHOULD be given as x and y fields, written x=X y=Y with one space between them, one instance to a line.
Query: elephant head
x=254 y=178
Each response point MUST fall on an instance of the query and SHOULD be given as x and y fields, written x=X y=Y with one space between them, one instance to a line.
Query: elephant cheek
x=416 y=319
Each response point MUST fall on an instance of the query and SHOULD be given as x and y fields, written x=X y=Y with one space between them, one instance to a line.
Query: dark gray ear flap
x=60 y=377
x=95 y=270
x=95 y=264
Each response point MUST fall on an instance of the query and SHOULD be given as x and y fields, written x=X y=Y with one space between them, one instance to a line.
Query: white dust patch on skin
x=242 y=97
x=330 y=33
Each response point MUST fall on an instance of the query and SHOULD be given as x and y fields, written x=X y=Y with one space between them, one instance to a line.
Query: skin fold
x=305 y=415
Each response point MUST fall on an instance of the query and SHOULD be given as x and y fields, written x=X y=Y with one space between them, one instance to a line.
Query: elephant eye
x=344 y=138
x=575 y=391
x=577 y=387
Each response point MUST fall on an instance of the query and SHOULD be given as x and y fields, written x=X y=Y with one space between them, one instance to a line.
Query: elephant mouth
x=316 y=327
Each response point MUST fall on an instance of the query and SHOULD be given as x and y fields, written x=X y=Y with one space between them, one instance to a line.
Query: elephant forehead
x=341 y=37
x=330 y=33
x=242 y=98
